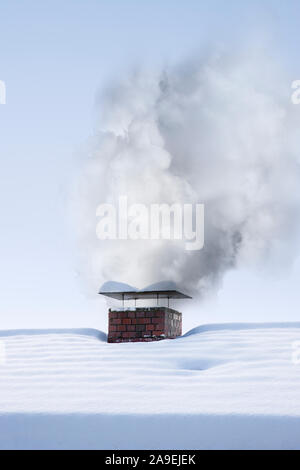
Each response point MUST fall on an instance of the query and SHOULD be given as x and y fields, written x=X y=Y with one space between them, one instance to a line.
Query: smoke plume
x=217 y=129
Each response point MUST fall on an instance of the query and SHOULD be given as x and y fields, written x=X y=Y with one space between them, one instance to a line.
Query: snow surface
x=162 y=285
x=113 y=286
x=231 y=386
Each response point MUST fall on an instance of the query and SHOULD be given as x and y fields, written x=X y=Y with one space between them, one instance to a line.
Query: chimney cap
x=162 y=290
x=162 y=294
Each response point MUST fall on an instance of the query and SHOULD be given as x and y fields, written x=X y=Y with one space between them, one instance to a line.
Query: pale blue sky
x=54 y=56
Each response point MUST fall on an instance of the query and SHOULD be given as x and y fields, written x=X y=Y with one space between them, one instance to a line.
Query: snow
x=113 y=286
x=124 y=309
x=233 y=386
x=162 y=285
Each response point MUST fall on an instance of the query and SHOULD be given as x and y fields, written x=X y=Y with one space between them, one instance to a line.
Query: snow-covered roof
x=241 y=379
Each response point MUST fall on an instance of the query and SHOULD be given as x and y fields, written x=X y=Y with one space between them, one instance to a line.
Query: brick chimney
x=134 y=324
x=143 y=324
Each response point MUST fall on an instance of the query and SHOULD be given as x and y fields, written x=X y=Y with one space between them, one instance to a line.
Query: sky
x=54 y=58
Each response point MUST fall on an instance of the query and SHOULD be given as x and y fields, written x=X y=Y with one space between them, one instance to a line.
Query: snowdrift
x=232 y=386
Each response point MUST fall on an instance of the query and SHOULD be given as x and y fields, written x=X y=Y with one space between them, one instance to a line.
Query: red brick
x=128 y=334
x=126 y=321
x=131 y=314
x=140 y=314
x=159 y=326
x=158 y=333
x=142 y=321
x=113 y=314
x=140 y=327
x=116 y=321
x=123 y=314
x=121 y=328
x=157 y=320
x=112 y=328
x=150 y=327
x=130 y=328
x=114 y=334
x=159 y=314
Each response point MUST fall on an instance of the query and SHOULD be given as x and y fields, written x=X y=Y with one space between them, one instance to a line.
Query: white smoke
x=217 y=130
